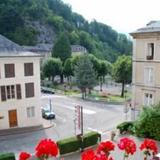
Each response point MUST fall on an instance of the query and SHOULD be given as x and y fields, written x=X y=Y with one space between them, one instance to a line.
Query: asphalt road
x=99 y=117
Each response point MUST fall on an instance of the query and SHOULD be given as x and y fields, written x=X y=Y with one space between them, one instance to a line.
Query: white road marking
x=85 y=111
x=61 y=118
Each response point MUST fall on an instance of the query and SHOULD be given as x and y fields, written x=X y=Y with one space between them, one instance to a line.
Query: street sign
x=78 y=120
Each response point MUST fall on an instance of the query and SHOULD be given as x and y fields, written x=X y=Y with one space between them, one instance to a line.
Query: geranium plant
x=102 y=152
x=46 y=148
x=149 y=148
x=24 y=156
x=128 y=145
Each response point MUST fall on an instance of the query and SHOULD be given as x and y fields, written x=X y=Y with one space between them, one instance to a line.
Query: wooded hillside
x=28 y=22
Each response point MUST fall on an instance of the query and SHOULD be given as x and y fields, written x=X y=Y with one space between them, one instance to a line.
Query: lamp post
x=126 y=109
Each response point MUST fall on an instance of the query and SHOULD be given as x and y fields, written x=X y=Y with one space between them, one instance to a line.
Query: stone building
x=146 y=66
x=19 y=86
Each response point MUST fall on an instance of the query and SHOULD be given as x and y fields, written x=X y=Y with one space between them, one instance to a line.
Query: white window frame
x=149 y=75
x=11 y=94
x=30 y=112
x=149 y=100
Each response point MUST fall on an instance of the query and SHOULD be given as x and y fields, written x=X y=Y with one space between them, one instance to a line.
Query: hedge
x=125 y=127
x=68 y=145
x=91 y=139
x=7 y=156
x=73 y=144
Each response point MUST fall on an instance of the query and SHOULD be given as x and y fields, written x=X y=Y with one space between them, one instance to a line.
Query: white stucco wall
x=22 y=104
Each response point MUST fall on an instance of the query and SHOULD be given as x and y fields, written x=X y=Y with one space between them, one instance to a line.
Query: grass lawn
x=95 y=95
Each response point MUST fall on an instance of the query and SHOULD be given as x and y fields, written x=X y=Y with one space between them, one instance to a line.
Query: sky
x=123 y=16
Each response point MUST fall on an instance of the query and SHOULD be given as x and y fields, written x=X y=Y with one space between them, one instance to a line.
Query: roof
x=11 y=49
x=153 y=26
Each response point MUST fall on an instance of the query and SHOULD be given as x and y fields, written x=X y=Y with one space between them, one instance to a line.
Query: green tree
x=85 y=75
x=62 y=49
x=103 y=70
x=74 y=38
x=122 y=71
x=68 y=70
x=51 y=68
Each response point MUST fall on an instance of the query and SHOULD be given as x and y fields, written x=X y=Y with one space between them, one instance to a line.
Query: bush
x=125 y=127
x=91 y=139
x=148 y=123
x=73 y=144
x=69 y=145
x=7 y=156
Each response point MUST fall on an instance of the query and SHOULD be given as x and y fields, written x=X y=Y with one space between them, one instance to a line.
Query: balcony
x=149 y=57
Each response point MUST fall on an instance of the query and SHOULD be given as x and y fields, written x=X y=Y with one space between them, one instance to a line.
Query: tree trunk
x=52 y=79
x=61 y=79
x=100 y=79
x=82 y=91
x=122 y=93
x=89 y=91
x=68 y=80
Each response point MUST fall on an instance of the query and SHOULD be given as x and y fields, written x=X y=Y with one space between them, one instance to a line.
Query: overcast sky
x=122 y=15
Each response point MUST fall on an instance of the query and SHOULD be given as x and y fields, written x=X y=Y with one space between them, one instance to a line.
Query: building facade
x=146 y=64
x=19 y=87
x=78 y=49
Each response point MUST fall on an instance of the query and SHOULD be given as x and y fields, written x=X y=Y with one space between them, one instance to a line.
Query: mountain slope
x=29 y=22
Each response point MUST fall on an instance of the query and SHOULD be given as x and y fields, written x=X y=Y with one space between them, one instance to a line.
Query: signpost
x=78 y=120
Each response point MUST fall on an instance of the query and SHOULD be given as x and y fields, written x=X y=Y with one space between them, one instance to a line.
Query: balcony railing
x=149 y=57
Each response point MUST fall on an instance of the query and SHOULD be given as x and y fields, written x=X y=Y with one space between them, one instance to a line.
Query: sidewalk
x=21 y=130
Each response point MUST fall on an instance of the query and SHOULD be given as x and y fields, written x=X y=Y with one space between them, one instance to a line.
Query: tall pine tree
x=62 y=49
x=85 y=74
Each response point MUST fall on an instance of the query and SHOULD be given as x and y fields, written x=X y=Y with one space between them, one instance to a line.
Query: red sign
x=78 y=120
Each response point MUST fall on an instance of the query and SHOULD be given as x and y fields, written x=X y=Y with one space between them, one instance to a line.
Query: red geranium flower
x=46 y=148
x=90 y=155
x=24 y=156
x=105 y=147
x=128 y=145
x=149 y=145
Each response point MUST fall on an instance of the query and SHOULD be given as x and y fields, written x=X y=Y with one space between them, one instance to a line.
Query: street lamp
x=126 y=109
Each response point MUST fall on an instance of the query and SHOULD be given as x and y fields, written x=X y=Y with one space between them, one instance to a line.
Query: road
x=99 y=117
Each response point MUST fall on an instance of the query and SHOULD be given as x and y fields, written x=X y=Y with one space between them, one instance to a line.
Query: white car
x=47 y=113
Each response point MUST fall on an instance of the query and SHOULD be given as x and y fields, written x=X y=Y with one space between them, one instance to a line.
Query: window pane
x=13 y=91
x=8 y=92
x=30 y=112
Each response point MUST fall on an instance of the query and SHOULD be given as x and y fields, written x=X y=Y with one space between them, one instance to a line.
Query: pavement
x=16 y=131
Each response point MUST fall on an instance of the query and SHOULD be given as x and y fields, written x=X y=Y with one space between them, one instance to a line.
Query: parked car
x=47 y=90
x=48 y=114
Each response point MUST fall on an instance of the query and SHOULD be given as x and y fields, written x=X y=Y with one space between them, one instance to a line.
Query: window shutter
x=28 y=69
x=18 y=88
x=3 y=93
x=9 y=70
x=29 y=88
